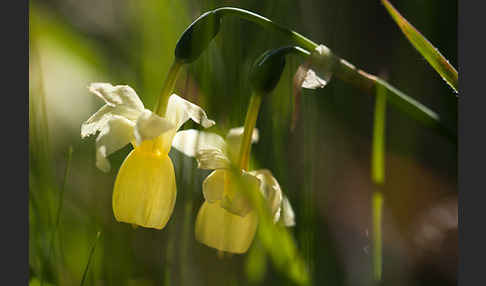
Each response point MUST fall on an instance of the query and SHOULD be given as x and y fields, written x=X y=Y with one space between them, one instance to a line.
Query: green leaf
x=425 y=48
x=90 y=258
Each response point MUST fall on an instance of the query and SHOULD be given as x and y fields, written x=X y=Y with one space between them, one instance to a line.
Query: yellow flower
x=226 y=220
x=145 y=188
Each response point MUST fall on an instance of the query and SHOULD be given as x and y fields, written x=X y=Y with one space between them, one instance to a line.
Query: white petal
x=271 y=191
x=288 y=216
x=96 y=122
x=117 y=95
x=233 y=141
x=117 y=133
x=211 y=159
x=99 y=120
x=237 y=133
x=180 y=110
x=149 y=126
x=191 y=141
x=101 y=159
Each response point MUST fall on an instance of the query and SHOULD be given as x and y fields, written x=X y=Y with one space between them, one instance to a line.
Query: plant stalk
x=347 y=72
x=378 y=179
x=167 y=88
x=250 y=122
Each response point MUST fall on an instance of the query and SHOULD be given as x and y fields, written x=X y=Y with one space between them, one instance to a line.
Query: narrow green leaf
x=59 y=208
x=98 y=234
x=277 y=241
x=425 y=48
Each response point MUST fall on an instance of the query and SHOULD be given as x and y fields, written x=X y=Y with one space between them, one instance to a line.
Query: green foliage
x=424 y=47
x=132 y=42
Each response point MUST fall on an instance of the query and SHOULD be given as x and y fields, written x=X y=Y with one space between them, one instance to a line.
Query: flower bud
x=268 y=68
x=197 y=36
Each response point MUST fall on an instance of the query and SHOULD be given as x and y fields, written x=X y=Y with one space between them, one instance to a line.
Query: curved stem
x=347 y=72
x=250 y=122
x=169 y=83
x=267 y=23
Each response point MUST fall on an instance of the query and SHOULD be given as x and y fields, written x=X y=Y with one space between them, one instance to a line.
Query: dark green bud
x=267 y=69
x=197 y=36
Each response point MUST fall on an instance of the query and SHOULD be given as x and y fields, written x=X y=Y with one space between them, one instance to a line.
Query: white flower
x=226 y=220
x=145 y=187
x=124 y=119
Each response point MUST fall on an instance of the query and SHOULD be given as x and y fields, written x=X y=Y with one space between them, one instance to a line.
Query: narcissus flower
x=145 y=189
x=226 y=220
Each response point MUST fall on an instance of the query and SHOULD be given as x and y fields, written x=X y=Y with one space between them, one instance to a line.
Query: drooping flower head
x=145 y=191
x=226 y=220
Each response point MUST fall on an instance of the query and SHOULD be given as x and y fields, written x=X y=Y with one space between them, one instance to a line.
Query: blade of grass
x=378 y=178
x=98 y=234
x=59 y=208
x=424 y=47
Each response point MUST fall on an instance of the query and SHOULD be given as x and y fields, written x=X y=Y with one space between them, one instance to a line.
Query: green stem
x=378 y=151
x=250 y=122
x=347 y=72
x=378 y=178
x=167 y=88
x=267 y=23
x=377 y=205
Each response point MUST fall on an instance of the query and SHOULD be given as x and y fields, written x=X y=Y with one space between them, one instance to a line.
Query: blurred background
x=323 y=165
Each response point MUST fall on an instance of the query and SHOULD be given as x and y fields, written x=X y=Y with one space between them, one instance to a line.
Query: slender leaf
x=98 y=234
x=59 y=208
x=425 y=48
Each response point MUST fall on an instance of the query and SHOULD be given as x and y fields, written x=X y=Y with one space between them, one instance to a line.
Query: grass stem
x=378 y=178
x=59 y=208
x=98 y=234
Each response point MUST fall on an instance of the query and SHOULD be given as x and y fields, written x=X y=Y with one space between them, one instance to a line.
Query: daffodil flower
x=145 y=190
x=226 y=220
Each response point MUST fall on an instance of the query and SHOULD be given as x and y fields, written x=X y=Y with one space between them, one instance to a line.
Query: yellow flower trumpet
x=144 y=193
x=226 y=220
